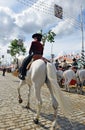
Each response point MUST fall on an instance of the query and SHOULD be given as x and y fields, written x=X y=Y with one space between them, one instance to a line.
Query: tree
x=49 y=36
x=16 y=48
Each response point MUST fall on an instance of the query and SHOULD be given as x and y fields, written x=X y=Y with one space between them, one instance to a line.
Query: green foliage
x=15 y=48
x=48 y=36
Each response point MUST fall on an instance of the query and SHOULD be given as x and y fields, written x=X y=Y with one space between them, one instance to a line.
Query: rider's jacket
x=36 y=48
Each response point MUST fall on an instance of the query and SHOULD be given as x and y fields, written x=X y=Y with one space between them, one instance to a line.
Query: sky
x=22 y=18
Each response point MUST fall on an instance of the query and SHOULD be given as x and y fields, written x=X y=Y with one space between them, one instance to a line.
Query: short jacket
x=36 y=48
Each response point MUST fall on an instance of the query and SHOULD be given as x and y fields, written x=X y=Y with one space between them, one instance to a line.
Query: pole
x=52 y=52
x=82 y=51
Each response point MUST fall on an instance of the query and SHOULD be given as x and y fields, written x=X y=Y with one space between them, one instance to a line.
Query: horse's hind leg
x=54 y=104
x=28 y=102
x=39 y=104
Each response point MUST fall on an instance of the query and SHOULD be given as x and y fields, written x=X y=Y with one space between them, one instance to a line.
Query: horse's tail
x=63 y=101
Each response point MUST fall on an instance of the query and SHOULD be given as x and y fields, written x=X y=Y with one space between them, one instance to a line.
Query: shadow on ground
x=63 y=122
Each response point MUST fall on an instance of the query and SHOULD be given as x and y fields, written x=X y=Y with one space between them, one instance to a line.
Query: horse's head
x=18 y=61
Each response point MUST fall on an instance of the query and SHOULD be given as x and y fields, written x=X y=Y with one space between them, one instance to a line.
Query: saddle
x=72 y=82
x=36 y=57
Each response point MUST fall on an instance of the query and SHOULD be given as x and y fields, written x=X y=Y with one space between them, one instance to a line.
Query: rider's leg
x=23 y=67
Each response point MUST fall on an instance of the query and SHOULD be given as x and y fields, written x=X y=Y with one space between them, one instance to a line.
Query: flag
x=58 y=11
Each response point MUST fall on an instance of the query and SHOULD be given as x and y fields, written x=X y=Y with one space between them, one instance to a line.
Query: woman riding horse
x=36 y=48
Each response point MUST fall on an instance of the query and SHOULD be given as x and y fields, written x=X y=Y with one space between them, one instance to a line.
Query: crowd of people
x=64 y=65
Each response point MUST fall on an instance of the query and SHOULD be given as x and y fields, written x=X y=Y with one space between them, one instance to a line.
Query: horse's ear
x=17 y=61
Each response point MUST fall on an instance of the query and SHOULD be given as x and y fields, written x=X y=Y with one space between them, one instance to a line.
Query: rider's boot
x=22 y=77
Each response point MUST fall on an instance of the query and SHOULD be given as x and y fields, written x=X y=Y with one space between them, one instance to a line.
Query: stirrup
x=22 y=77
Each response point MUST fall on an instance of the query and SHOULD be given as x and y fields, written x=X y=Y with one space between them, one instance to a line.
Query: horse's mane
x=20 y=59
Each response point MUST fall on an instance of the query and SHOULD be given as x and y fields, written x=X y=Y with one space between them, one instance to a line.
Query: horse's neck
x=20 y=60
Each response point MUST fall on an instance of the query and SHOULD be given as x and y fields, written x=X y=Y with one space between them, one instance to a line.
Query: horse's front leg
x=67 y=85
x=81 y=87
x=28 y=102
x=19 y=95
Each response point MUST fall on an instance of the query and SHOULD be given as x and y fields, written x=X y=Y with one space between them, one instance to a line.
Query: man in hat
x=75 y=62
x=35 y=48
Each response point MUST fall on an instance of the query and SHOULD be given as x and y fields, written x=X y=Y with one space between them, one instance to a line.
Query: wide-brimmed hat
x=37 y=35
x=74 y=59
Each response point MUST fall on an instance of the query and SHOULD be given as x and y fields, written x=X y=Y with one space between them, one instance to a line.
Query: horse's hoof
x=27 y=107
x=36 y=121
x=20 y=100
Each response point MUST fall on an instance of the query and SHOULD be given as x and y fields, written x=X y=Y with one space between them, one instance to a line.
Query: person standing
x=56 y=63
x=64 y=65
x=74 y=63
x=4 y=70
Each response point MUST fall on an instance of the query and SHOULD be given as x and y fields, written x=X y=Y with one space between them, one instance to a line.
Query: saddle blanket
x=72 y=82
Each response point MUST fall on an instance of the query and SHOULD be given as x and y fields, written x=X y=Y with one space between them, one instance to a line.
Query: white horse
x=38 y=74
x=78 y=77
x=69 y=75
x=81 y=79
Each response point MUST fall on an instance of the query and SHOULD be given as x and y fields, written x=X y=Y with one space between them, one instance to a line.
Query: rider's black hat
x=37 y=35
